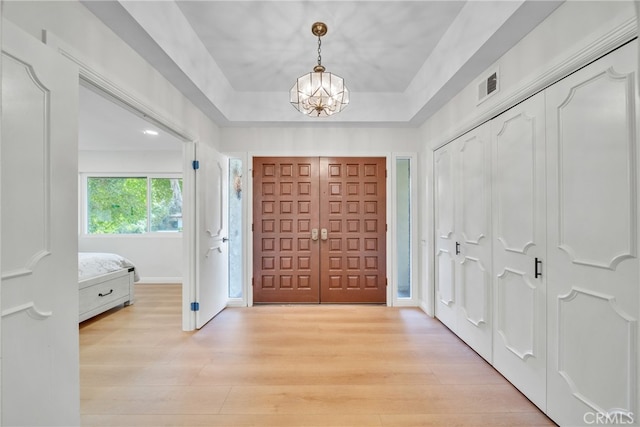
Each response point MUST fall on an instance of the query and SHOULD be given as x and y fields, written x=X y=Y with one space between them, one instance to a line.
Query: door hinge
x=386 y=174
x=196 y=164
x=253 y=282
x=195 y=306
x=251 y=227
x=386 y=227
x=386 y=281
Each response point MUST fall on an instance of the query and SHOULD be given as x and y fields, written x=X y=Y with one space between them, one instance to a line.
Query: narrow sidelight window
x=403 y=226
x=235 y=228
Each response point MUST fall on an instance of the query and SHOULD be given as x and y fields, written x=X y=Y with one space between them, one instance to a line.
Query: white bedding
x=91 y=264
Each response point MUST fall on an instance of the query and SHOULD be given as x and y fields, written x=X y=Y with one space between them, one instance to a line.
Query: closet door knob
x=538 y=272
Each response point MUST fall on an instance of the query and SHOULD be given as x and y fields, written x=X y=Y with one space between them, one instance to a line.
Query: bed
x=106 y=280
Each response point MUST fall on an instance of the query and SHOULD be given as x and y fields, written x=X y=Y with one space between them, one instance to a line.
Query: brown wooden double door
x=319 y=230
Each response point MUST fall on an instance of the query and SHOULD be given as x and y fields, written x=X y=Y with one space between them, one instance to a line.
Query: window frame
x=84 y=199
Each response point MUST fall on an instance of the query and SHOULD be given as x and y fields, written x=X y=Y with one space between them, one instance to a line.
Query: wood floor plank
x=235 y=420
x=384 y=399
x=287 y=365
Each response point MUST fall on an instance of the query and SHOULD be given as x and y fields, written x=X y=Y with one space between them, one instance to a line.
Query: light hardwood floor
x=335 y=365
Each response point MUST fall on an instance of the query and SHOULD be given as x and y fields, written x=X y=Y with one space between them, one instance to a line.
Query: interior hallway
x=329 y=365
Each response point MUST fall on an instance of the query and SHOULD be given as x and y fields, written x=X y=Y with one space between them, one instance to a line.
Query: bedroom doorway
x=319 y=230
x=131 y=187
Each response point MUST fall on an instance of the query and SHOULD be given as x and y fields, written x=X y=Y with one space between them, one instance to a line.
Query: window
x=235 y=228
x=403 y=226
x=133 y=205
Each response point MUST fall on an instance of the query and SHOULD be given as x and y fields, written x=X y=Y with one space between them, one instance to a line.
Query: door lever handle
x=457 y=248
x=224 y=239
x=314 y=234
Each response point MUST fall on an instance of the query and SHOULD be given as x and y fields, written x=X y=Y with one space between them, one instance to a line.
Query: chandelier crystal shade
x=319 y=93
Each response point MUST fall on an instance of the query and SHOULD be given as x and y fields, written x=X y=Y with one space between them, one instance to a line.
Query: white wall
x=157 y=256
x=557 y=46
x=564 y=36
x=319 y=141
x=130 y=161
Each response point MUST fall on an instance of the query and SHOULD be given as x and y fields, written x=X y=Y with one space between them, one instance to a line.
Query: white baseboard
x=236 y=302
x=423 y=305
x=161 y=280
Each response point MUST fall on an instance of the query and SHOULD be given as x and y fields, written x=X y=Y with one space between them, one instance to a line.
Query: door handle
x=537 y=273
x=323 y=234
x=457 y=248
x=225 y=239
x=314 y=234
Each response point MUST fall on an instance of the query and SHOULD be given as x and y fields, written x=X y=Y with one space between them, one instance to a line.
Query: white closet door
x=593 y=269
x=445 y=270
x=473 y=235
x=39 y=168
x=519 y=213
x=463 y=241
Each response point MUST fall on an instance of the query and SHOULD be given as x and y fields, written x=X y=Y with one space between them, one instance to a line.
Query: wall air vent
x=488 y=86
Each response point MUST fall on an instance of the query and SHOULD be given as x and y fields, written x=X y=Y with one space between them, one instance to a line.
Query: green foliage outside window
x=166 y=204
x=117 y=205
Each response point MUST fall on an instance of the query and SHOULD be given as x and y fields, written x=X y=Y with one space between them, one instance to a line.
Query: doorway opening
x=131 y=187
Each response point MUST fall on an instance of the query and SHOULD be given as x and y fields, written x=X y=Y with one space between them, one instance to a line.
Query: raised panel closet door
x=473 y=232
x=593 y=270
x=353 y=213
x=39 y=152
x=445 y=251
x=286 y=210
x=519 y=213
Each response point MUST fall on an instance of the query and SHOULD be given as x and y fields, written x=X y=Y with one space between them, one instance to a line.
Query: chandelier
x=319 y=93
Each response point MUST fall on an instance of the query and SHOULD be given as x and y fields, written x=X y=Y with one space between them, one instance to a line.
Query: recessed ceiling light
x=150 y=132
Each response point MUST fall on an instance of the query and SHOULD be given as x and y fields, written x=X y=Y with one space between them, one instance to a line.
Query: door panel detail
x=475 y=290
x=516 y=197
x=28 y=220
x=473 y=211
x=515 y=312
x=444 y=193
x=446 y=281
x=581 y=159
x=613 y=389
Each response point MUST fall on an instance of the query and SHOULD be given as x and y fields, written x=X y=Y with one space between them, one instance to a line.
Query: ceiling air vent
x=488 y=86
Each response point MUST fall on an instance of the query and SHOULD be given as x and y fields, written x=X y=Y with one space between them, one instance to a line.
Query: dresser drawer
x=101 y=294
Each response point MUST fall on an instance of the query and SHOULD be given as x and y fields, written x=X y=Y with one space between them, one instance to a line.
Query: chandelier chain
x=319 y=46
